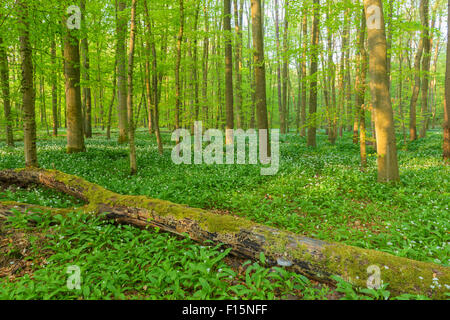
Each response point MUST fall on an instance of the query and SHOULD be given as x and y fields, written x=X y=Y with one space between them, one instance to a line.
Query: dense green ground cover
x=319 y=193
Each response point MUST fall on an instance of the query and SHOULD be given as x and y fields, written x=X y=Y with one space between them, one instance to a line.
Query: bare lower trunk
x=312 y=121
x=131 y=131
x=28 y=97
x=4 y=84
x=446 y=145
x=384 y=119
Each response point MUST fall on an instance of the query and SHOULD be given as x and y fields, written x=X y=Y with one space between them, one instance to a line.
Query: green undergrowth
x=320 y=193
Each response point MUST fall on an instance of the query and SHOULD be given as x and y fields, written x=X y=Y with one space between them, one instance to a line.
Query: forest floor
x=318 y=193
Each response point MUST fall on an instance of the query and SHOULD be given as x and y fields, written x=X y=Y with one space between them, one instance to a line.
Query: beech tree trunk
x=121 y=71
x=54 y=89
x=259 y=68
x=416 y=90
x=384 y=118
x=87 y=97
x=238 y=15
x=27 y=88
x=130 y=112
x=446 y=145
x=312 y=121
x=314 y=258
x=178 y=105
x=4 y=84
x=425 y=65
x=303 y=70
x=360 y=86
x=228 y=71
x=285 y=60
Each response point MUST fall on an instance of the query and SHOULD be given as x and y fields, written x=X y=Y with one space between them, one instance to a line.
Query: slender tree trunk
x=303 y=68
x=446 y=145
x=28 y=95
x=285 y=69
x=259 y=67
x=400 y=93
x=425 y=65
x=87 y=97
x=75 y=134
x=113 y=99
x=178 y=105
x=152 y=96
x=205 y=67
x=121 y=71
x=54 y=89
x=238 y=14
x=4 y=77
x=360 y=86
x=195 y=67
x=381 y=100
x=278 y=64
x=312 y=122
x=228 y=72
x=131 y=130
x=416 y=90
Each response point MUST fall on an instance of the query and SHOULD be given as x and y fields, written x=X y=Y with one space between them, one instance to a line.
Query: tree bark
x=384 y=119
x=360 y=86
x=178 y=105
x=228 y=72
x=314 y=258
x=75 y=135
x=238 y=20
x=4 y=78
x=121 y=71
x=259 y=68
x=312 y=122
x=416 y=90
x=54 y=88
x=285 y=60
x=425 y=66
x=87 y=96
x=446 y=145
x=27 y=88
x=304 y=71
x=130 y=112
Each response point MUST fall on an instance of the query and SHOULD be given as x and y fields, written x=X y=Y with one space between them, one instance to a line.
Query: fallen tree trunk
x=315 y=259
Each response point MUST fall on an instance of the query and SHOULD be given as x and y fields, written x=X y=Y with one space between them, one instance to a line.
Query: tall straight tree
x=238 y=19
x=205 y=65
x=133 y=164
x=54 y=88
x=75 y=134
x=27 y=88
x=425 y=17
x=281 y=110
x=121 y=30
x=153 y=85
x=360 y=88
x=87 y=97
x=379 y=85
x=228 y=72
x=285 y=60
x=312 y=121
x=417 y=84
x=177 y=67
x=259 y=67
x=4 y=84
x=446 y=146
x=303 y=69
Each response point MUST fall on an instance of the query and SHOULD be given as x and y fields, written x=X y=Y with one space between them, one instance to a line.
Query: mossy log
x=315 y=259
